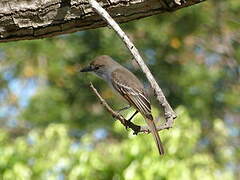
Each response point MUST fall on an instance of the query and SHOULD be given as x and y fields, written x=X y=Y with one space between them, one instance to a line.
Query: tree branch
x=169 y=114
x=28 y=19
x=128 y=124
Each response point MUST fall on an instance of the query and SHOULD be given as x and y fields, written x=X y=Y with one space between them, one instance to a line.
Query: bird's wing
x=134 y=95
x=132 y=90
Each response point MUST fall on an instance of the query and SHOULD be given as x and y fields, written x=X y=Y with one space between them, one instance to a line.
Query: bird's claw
x=135 y=132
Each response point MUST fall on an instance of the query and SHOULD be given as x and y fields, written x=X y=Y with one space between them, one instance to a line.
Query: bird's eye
x=96 y=68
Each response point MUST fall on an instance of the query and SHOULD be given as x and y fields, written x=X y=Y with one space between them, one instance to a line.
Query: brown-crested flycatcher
x=128 y=86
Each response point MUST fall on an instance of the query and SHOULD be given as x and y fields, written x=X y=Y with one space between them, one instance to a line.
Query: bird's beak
x=87 y=69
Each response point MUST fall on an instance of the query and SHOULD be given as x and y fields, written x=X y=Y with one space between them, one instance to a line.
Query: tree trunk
x=34 y=19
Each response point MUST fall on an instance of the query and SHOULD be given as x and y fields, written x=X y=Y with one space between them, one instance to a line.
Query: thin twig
x=169 y=114
x=128 y=124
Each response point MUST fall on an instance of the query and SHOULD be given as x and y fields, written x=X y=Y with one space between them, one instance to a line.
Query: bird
x=128 y=86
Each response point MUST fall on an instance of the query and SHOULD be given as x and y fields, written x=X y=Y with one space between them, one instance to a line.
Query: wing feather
x=136 y=97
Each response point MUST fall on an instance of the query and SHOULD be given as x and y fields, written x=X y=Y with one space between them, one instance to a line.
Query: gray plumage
x=128 y=86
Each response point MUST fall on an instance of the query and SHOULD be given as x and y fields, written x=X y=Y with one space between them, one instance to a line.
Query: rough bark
x=33 y=19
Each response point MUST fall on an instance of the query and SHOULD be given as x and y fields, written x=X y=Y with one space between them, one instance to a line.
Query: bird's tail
x=154 y=131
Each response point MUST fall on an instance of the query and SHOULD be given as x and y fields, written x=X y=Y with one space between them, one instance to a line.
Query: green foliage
x=40 y=105
x=50 y=120
x=51 y=153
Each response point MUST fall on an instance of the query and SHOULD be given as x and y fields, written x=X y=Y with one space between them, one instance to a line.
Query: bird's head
x=101 y=65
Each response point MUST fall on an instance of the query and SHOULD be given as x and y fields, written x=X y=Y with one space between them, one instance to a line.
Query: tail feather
x=157 y=139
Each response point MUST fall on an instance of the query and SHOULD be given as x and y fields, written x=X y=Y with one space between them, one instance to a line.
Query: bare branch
x=168 y=111
x=128 y=124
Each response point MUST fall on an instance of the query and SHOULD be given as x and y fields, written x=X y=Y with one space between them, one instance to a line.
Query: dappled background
x=53 y=127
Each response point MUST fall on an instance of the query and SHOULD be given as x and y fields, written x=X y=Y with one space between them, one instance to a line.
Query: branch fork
x=128 y=124
x=169 y=114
